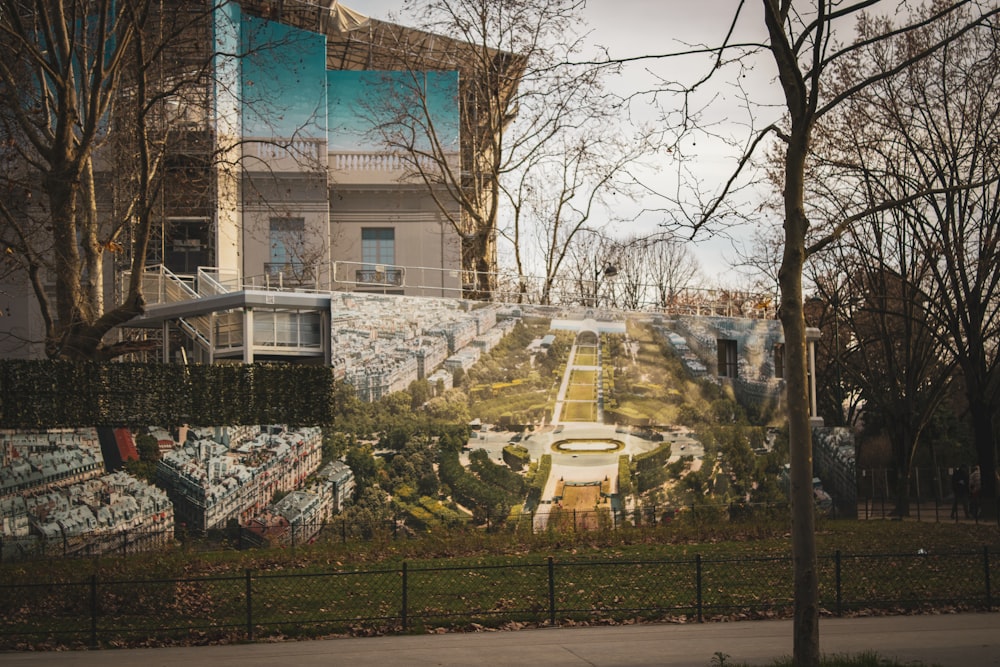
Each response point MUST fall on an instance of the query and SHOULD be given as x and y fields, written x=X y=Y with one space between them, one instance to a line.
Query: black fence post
x=837 y=561
x=885 y=489
x=405 y=595
x=552 y=592
x=986 y=577
x=937 y=494
x=697 y=579
x=93 y=611
x=249 y=594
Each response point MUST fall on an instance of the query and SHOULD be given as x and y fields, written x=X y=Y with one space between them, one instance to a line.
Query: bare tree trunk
x=61 y=195
x=801 y=104
x=806 y=581
x=983 y=431
x=92 y=250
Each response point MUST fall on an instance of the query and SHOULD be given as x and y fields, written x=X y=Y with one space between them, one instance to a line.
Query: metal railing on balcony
x=289 y=275
x=379 y=277
x=162 y=286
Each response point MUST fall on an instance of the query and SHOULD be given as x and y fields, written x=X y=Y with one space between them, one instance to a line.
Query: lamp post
x=833 y=301
x=835 y=304
x=609 y=271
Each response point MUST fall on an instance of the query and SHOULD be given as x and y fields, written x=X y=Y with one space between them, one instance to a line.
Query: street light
x=609 y=271
x=833 y=301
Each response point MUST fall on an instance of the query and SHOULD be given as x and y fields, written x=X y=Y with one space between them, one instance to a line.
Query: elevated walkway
x=225 y=320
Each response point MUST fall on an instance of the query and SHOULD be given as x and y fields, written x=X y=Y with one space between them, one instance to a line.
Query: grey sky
x=629 y=28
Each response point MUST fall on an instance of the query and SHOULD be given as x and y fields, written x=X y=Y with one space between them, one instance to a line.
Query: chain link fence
x=98 y=612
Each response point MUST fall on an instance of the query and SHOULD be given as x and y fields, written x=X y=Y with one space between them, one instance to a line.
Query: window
x=288 y=240
x=779 y=360
x=378 y=246
x=727 y=358
x=378 y=254
x=185 y=245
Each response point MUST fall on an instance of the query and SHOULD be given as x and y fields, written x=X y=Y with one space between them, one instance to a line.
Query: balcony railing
x=289 y=274
x=380 y=278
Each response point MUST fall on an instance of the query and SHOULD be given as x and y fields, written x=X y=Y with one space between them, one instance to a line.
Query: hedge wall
x=656 y=458
x=55 y=394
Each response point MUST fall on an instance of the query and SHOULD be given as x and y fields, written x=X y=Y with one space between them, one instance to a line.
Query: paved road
x=956 y=640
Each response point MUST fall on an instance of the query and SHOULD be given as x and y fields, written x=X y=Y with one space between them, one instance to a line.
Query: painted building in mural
x=325 y=202
x=284 y=170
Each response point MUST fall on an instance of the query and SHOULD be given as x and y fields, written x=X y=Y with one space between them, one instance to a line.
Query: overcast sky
x=630 y=28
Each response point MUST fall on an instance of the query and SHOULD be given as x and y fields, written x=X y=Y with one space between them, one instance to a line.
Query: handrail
x=209 y=286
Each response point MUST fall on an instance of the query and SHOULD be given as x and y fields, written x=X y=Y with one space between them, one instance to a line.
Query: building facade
x=282 y=173
x=211 y=483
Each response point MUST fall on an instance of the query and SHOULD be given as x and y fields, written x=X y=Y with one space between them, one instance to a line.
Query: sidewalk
x=955 y=640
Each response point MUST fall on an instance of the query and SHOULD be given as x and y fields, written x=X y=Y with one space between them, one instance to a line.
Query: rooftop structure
x=113 y=512
x=42 y=459
x=211 y=483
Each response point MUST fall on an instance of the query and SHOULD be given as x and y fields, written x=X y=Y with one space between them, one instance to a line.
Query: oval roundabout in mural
x=588 y=446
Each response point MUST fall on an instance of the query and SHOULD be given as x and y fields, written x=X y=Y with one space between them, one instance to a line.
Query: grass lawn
x=579 y=412
x=581 y=497
x=583 y=377
x=581 y=392
x=458 y=576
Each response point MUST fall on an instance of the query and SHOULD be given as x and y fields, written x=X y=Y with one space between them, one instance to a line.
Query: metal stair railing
x=161 y=285
x=213 y=281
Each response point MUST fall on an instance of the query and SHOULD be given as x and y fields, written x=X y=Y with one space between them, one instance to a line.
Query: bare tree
x=802 y=45
x=561 y=189
x=631 y=283
x=534 y=133
x=76 y=79
x=925 y=141
x=672 y=268
x=892 y=355
x=592 y=263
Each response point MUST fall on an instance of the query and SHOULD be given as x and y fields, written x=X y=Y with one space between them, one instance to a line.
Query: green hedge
x=656 y=458
x=539 y=480
x=624 y=476
x=53 y=394
x=516 y=456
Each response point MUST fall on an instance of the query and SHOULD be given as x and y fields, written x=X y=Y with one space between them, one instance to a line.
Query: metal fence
x=930 y=497
x=98 y=612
